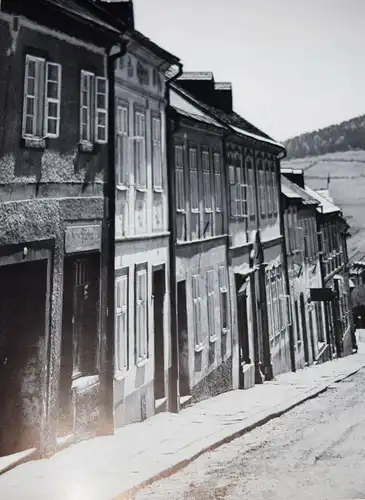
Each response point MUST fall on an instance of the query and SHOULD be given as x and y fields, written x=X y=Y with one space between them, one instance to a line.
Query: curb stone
x=173 y=469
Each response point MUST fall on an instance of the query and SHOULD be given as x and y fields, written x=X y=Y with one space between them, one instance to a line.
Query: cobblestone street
x=315 y=451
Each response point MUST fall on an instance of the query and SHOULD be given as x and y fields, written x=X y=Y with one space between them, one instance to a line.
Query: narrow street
x=316 y=451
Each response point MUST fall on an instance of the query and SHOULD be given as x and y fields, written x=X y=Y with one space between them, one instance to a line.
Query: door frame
x=27 y=252
x=156 y=268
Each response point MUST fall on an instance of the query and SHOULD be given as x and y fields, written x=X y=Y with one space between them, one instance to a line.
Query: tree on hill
x=345 y=136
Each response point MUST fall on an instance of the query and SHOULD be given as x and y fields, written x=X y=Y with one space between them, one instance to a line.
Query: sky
x=295 y=65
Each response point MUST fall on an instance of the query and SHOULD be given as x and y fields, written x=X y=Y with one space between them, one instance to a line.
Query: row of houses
x=153 y=250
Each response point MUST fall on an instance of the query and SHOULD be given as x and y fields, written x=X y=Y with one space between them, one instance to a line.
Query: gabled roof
x=233 y=120
x=156 y=49
x=325 y=206
x=186 y=108
x=357 y=258
x=292 y=191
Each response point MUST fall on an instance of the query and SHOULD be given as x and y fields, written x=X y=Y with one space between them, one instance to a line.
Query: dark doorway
x=243 y=336
x=23 y=297
x=80 y=335
x=311 y=329
x=158 y=292
x=304 y=328
x=297 y=325
x=182 y=321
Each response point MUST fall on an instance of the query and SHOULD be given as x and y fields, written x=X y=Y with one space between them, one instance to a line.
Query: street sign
x=321 y=295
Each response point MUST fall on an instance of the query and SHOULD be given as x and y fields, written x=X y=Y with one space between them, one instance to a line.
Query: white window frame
x=262 y=190
x=157 y=170
x=218 y=188
x=93 y=111
x=210 y=280
x=223 y=291
x=122 y=323
x=180 y=192
x=41 y=99
x=141 y=310
x=122 y=146
x=251 y=199
x=194 y=180
x=197 y=311
x=207 y=181
x=238 y=186
x=140 y=152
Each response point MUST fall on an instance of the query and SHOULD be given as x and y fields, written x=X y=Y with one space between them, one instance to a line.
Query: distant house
x=53 y=159
x=303 y=257
x=332 y=229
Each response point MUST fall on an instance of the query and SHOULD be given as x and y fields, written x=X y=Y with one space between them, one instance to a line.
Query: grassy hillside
x=347 y=185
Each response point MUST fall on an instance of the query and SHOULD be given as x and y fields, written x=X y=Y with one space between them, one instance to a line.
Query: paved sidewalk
x=112 y=467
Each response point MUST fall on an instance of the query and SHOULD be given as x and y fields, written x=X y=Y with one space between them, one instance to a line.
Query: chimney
x=224 y=98
x=200 y=84
x=119 y=9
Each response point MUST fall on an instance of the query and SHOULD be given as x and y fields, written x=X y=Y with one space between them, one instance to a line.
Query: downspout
x=109 y=235
x=285 y=265
x=173 y=377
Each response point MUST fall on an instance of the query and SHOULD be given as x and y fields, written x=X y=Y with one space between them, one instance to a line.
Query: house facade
x=53 y=159
x=142 y=313
x=203 y=301
x=333 y=261
x=303 y=255
x=260 y=347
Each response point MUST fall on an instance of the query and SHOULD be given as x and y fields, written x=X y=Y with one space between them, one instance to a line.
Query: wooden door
x=23 y=295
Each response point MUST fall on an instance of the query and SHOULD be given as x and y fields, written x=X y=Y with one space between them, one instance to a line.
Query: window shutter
x=101 y=110
x=141 y=314
x=122 y=146
x=52 y=103
x=156 y=153
x=121 y=323
x=197 y=311
x=211 y=304
x=193 y=172
x=207 y=183
x=34 y=97
x=140 y=150
x=218 y=182
x=85 y=106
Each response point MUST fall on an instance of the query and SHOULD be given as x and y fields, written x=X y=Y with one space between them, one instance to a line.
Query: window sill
x=142 y=362
x=38 y=143
x=122 y=187
x=239 y=217
x=141 y=189
x=86 y=147
x=213 y=339
x=158 y=190
x=199 y=348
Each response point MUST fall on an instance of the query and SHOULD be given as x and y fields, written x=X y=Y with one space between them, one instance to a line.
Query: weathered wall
x=140 y=82
x=209 y=363
x=42 y=191
x=135 y=384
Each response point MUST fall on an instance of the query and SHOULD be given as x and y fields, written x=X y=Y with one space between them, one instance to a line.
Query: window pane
x=52 y=126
